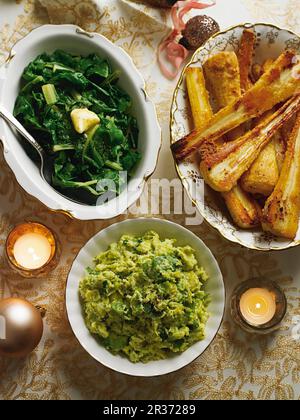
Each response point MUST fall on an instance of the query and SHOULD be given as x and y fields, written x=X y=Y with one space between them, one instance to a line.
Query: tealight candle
x=258 y=305
x=32 y=249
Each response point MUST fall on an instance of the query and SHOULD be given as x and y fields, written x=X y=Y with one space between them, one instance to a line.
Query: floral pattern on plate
x=271 y=41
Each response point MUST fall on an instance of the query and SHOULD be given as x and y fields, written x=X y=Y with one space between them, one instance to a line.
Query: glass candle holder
x=258 y=306
x=32 y=250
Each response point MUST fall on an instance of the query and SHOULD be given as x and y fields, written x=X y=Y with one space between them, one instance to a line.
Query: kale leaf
x=81 y=161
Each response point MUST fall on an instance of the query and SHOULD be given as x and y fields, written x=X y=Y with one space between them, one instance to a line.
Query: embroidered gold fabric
x=236 y=366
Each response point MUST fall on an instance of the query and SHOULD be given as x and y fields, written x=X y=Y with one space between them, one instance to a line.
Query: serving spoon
x=46 y=162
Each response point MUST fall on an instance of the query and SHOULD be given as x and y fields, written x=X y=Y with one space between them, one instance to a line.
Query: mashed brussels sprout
x=144 y=299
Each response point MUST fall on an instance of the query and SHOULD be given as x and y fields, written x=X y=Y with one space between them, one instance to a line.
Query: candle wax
x=32 y=251
x=258 y=306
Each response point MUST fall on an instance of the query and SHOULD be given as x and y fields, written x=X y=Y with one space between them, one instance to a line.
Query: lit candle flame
x=258 y=306
x=32 y=251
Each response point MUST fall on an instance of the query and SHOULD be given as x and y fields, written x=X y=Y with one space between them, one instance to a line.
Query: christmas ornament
x=173 y=50
x=21 y=327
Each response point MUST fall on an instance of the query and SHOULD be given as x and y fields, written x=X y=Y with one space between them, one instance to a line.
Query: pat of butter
x=84 y=119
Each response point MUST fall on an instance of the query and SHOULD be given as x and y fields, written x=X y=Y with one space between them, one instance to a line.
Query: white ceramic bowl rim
x=99 y=243
x=131 y=80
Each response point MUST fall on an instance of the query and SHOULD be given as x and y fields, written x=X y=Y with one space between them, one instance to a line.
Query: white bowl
x=48 y=38
x=271 y=41
x=100 y=243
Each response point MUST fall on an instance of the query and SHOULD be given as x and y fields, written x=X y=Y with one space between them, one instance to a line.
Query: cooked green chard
x=73 y=106
x=50 y=94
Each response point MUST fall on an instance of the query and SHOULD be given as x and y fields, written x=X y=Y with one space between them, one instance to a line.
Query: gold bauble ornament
x=21 y=327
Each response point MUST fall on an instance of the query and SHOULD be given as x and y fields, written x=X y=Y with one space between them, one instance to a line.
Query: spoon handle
x=10 y=119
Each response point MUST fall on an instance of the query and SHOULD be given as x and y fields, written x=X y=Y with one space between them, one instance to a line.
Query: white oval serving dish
x=71 y=38
x=100 y=243
x=271 y=42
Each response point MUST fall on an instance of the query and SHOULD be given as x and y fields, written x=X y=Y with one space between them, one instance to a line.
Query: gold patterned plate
x=271 y=41
x=71 y=38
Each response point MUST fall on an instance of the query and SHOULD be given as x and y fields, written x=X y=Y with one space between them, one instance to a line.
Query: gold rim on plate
x=148 y=174
x=222 y=232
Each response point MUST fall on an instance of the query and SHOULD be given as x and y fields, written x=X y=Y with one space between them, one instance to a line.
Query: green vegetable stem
x=50 y=94
x=56 y=84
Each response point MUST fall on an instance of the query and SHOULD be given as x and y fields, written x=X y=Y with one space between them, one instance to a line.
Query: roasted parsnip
x=282 y=209
x=245 y=55
x=287 y=129
x=256 y=72
x=222 y=168
x=280 y=146
x=198 y=95
x=223 y=76
x=222 y=71
x=281 y=140
x=267 y=65
x=263 y=175
x=244 y=210
x=277 y=85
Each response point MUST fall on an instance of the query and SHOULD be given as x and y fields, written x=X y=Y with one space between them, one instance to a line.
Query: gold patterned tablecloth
x=236 y=366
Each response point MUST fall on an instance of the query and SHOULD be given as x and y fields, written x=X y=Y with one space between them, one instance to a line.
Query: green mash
x=144 y=299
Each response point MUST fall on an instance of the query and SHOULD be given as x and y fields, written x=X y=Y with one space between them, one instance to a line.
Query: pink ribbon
x=175 y=53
